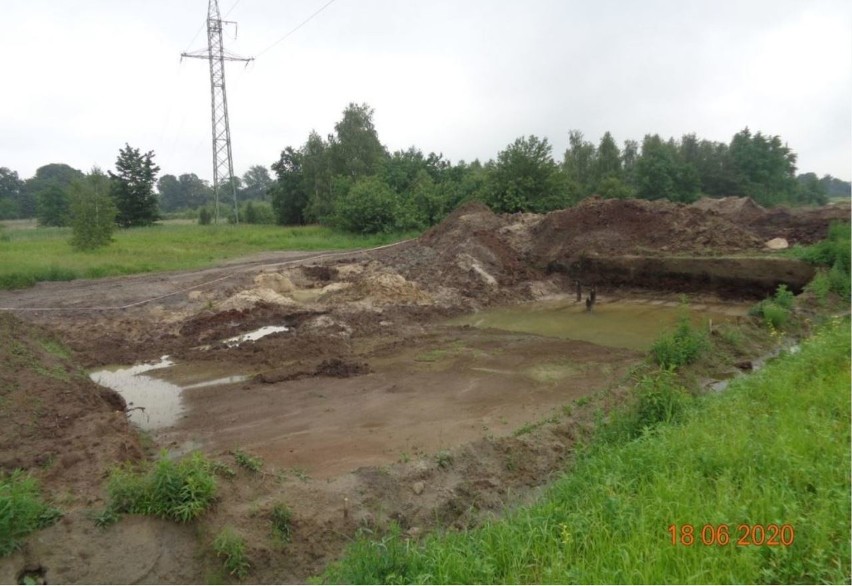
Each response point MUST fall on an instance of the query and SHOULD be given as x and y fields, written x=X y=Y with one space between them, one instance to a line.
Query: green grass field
x=771 y=451
x=28 y=256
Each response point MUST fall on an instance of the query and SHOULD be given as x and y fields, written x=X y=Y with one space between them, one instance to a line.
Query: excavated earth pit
x=403 y=384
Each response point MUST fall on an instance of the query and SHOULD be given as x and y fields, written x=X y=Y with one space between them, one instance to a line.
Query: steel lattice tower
x=223 y=162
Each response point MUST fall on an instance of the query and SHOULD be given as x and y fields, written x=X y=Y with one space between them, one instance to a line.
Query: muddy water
x=616 y=324
x=156 y=402
x=152 y=403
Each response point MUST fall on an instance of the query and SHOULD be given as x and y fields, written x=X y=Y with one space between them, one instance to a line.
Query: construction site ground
x=376 y=406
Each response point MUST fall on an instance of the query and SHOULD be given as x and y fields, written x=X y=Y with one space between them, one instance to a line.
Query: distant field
x=29 y=254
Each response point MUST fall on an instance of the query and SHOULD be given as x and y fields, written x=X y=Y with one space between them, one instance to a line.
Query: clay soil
x=370 y=409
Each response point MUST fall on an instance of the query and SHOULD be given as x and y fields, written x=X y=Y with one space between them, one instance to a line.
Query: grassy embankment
x=28 y=256
x=774 y=449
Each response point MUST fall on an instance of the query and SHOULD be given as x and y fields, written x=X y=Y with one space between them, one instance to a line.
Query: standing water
x=152 y=403
x=619 y=324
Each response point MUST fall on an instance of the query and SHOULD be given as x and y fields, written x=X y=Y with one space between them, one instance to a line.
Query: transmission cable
x=304 y=22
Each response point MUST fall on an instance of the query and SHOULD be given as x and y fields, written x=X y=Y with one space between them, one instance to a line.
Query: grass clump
x=773 y=449
x=775 y=311
x=681 y=347
x=231 y=548
x=176 y=490
x=21 y=510
x=281 y=518
x=250 y=463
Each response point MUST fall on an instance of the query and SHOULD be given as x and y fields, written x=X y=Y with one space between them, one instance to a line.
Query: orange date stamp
x=745 y=535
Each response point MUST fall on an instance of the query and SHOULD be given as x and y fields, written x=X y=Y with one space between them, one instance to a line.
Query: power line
x=304 y=22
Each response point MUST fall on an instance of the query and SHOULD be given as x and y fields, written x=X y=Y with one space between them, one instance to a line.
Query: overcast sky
x=460 y=77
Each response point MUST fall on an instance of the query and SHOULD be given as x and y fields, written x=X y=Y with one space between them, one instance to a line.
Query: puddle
x=152 y=403
x=620 y=324
x=255 y=335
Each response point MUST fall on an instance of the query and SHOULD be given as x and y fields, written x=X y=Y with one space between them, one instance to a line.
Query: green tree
x=57 y=175
x=579 y=163
x=315 y=162
x=289 y=196
x=133 y=188
x=526 y=179
x=811 y=190
x=369 y=207
x=93 y=211
x=11 y=187
x=607 y=162
x=52 y=206
x=355 y=149
x=661 y=174
x=764 y=167
x=256 y=183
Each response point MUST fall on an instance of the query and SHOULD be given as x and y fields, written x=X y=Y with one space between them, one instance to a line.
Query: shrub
x=232 y=549
x=205 y=216
x=820 y=286
x=775 y=311
x=832 y=252
x=21 y=510
x=774 y=315
x=681 y=347
x=176 y=490
x=368 y=208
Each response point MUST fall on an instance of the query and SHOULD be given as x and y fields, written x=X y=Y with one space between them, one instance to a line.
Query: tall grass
x=45 y=254
x=21 y=510
x=176 y=490
x=773 y=449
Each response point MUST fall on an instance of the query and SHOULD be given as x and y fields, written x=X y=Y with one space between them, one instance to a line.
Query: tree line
x=350 y=180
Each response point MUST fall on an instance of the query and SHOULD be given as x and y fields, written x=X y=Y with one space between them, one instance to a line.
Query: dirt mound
x=466 y=252
x=737 y=209
x=622 y=227
x=55 y=422
x=378 y=289
x=804 y=225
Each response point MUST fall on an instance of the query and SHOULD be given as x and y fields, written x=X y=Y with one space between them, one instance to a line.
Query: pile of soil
x=466 y=252
x=796 y=225
x=624 y=227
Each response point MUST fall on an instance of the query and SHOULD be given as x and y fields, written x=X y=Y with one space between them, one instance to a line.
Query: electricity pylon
x=223 y=161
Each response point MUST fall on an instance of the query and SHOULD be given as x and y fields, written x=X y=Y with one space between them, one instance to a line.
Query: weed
x=21 y=510
x=232 y=549
x=820 y=286
x=444 y=459
x=176 y=490
x=106 y=518
x=250 y=463
x=582 y=401
x=683 y=346
x=282 y=522
x=301 y=474
x=404 y=458
x=222 y=470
